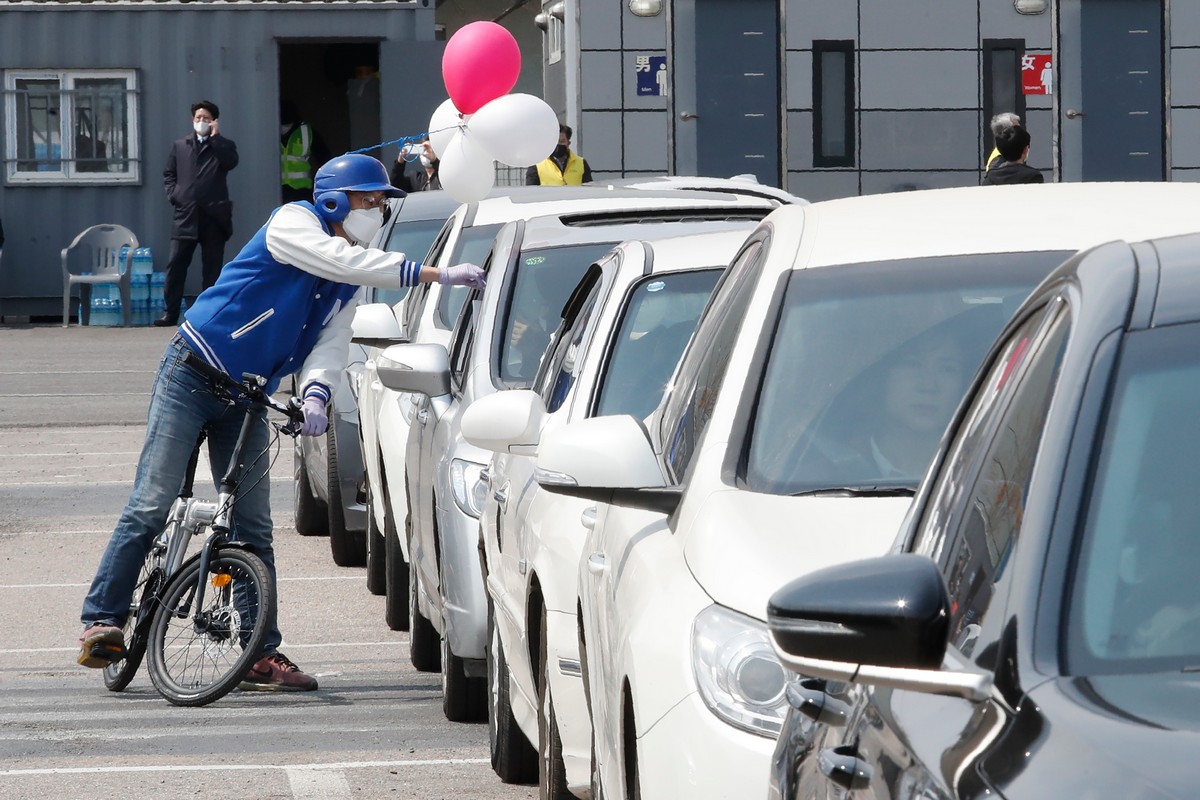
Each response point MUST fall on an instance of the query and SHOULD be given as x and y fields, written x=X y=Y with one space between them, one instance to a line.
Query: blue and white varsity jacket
x=285 y=303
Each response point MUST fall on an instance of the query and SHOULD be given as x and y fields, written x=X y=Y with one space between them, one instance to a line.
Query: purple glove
x=462 y=275
x=315 y=418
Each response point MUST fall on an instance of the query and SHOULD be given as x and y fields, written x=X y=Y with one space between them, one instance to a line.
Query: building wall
x=235 y=64
x=1183 y=67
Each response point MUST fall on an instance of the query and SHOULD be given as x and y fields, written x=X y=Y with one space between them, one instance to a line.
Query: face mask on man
x=426 y=161
x=202 y=127
x=363 y=223
x=561 y=151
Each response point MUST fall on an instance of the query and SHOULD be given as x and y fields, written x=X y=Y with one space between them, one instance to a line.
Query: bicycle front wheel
x=197 y=655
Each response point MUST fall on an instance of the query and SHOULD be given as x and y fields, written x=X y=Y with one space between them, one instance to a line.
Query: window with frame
x=564 y=358
x=77 y=126
x=973 y=533
x=1001 y=84
x=833 y=103
x=555 y=31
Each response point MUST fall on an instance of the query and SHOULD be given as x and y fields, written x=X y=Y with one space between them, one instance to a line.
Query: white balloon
x=466 y=172
x=445 y=122
x=516 y=129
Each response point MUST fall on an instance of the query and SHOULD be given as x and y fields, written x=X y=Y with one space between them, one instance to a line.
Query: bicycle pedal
x=109 y=652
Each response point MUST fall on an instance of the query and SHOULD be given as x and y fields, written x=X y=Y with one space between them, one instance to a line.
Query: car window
x=538 y=285
x=703 y=366
x=564 y=358
x=971 y=533
x=460 y=343
x=1134 y=605
x=472 y=248
x=657 y=321
x=847 y=404
x=414 y=238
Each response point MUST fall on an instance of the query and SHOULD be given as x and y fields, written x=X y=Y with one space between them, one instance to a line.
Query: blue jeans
x=180 y=405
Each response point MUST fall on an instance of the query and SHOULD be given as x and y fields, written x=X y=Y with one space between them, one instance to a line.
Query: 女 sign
x=1037 y=73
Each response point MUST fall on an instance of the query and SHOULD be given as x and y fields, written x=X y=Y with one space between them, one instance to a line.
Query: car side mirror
x=881 y=621
x=608 y=459
x=505 y=422
x=419 y=368
x=375 y=325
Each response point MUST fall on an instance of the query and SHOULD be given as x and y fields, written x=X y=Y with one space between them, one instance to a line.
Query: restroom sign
x=1037 y=73
x=651 y=74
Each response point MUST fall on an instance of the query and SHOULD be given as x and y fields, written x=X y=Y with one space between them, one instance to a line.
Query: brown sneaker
x=276 y=673
x=101 y=645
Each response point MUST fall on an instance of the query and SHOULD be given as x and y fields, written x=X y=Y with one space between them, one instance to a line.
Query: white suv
x=800 y=420
x=620 y=338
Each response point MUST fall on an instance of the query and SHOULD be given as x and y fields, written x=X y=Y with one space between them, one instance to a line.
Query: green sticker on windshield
x=533 y=260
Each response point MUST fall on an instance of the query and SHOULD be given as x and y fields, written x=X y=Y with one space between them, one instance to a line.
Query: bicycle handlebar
x=251 y=386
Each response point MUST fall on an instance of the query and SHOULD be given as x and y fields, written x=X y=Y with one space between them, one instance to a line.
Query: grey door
x=1123 y=95
x=737 y=88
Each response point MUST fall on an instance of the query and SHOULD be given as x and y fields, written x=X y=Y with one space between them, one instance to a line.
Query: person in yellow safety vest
x=296 y=154
x=562 y=167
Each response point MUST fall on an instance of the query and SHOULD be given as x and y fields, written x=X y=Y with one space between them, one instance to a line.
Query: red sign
x=1037 y=73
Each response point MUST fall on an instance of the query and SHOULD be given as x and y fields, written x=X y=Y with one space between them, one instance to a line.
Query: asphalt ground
x=72 y=415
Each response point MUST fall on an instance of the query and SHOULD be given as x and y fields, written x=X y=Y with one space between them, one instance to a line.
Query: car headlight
x=740 y=679
x=468 y=486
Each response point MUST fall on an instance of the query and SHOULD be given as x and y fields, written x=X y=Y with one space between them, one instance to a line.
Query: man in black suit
x=195 y=184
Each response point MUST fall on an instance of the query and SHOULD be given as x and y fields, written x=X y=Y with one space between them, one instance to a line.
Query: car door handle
x=423 y=416
x=501 y=497
x=843 y=766
x=588 y=518
x=811 y=699
x=597 y=563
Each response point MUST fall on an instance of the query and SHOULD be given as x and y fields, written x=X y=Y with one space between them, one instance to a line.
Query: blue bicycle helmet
x=353 y=172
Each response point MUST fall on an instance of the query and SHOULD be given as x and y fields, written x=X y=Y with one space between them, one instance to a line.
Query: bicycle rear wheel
x=117 y=675
x=197 y=655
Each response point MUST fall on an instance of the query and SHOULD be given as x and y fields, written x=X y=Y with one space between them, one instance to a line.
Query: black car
x=1036 y=631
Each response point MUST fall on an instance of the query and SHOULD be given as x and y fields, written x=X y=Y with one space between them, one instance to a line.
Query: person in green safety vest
x=299 y=150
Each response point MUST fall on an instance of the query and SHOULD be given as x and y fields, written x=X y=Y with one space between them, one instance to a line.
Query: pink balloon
x=481 y=62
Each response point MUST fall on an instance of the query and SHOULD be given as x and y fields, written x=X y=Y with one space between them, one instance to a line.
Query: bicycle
x=203 y=619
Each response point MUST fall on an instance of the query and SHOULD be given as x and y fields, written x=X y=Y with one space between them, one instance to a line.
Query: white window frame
x=69 y=172
x=555 y=32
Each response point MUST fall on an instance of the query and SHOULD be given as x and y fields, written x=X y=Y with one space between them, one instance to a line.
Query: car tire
x=424 y=644
x=514 y=759
x=464 y=699
x=311 y=515
x=552 y=770
x=396 y=574
x=349 y=548
x=376 y=550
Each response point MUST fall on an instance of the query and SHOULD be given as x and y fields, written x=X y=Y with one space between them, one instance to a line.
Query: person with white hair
x=999 y=124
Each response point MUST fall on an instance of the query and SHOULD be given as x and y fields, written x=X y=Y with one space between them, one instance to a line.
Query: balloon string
x=402 y=141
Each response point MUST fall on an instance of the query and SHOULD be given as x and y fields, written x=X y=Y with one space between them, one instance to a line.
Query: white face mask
x=425 y=162
x=202 y=127
x=363 y=223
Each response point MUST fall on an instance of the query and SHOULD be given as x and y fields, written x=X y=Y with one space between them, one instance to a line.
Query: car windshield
x=1135 y=598
x=541 y=281
x=472 y=248
x=413 y=238
x=868 y=362
x=656 y=325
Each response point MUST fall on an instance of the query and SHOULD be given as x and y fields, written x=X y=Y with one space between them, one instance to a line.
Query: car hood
x=1121 y=735
x=743 y=545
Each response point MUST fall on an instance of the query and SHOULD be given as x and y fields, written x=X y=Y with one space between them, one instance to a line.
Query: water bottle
x=143 y=261
x=97 y=304
x=122 y=258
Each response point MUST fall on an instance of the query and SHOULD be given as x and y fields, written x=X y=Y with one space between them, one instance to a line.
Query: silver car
x=328 y=469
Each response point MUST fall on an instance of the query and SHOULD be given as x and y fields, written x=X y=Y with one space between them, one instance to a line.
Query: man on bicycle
x=282 y=306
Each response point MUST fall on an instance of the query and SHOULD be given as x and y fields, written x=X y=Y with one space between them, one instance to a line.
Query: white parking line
x=217 y=768
x=398 y=641
x=315 y=784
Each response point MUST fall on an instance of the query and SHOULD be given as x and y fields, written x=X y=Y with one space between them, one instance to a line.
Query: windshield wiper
x=858 y=491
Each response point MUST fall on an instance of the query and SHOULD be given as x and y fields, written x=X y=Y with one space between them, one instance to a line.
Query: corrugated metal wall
x=226 y=52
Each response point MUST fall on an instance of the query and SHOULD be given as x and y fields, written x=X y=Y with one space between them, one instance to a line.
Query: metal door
x=1123 y=94
x=737 y=89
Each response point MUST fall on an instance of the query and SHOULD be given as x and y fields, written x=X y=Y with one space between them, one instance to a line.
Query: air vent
x=596 y=218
